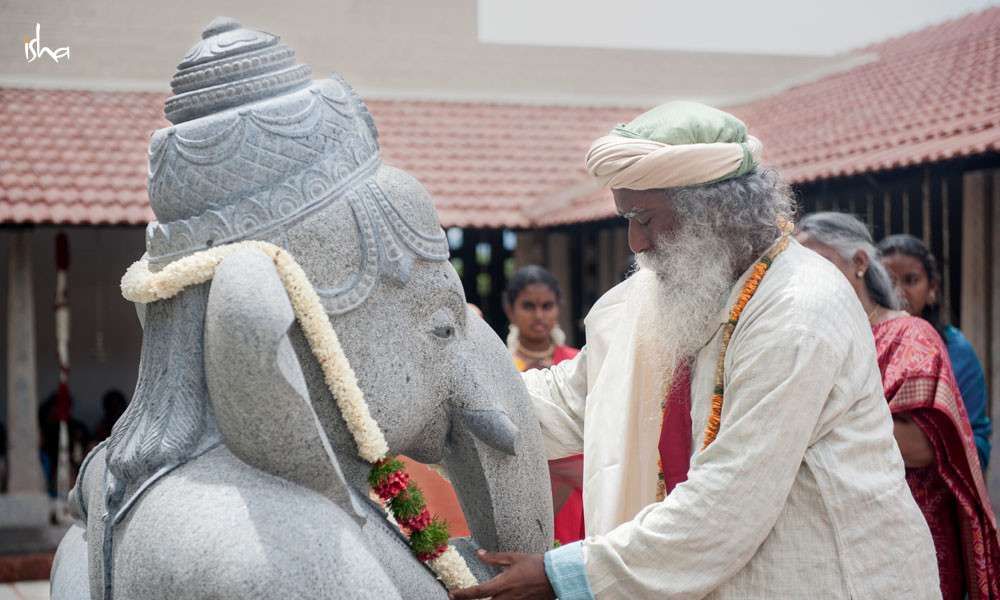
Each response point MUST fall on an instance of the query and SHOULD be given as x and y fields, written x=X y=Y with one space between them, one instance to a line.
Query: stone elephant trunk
x=491 y=417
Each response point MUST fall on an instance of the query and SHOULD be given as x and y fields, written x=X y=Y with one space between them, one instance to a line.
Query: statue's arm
x=70 y=578
x=559 y=398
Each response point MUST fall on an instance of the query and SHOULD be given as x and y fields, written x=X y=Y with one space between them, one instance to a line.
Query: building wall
x=389 y=47
x=105 y=335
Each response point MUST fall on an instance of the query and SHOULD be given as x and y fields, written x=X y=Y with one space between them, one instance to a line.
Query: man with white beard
x=747 y=364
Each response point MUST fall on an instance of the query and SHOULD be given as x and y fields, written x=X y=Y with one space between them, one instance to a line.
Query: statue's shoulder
x=227 y=530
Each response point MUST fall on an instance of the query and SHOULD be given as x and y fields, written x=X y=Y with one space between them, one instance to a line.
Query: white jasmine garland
x=141 y=285
x=451 y=568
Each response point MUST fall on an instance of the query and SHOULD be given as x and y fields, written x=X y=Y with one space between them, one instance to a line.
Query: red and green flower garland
x=428 y=534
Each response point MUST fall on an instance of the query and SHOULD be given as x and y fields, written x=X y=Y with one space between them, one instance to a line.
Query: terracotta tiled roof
x=75 y=157
x=929 y=96
x=80 y=157
x=490 y=165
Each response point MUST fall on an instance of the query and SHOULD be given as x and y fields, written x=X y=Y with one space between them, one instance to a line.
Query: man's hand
x=523 y=578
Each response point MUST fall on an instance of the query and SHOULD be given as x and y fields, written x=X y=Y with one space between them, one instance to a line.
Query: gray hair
x=745 y=211
x=846 y=235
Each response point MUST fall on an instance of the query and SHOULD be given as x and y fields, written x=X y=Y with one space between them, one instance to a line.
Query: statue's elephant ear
x=256 y=385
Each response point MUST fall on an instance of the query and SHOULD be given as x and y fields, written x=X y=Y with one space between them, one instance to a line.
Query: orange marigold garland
x=749 y=288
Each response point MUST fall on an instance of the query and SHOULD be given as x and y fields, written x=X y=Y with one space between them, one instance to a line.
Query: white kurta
x=802 y=494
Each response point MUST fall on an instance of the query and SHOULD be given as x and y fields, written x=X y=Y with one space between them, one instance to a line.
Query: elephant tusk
x=493 y=427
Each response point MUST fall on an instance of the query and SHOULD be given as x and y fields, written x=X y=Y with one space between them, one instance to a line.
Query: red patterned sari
x=919 y=383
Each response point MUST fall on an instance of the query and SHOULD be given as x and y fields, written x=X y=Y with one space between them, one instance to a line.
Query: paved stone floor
x=26 y=558
x=25 y=590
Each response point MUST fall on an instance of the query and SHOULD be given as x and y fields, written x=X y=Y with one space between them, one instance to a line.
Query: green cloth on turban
x=681 y=122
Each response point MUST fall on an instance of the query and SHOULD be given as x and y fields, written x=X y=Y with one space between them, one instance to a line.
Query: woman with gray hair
x=930 y=423
x=845 y=241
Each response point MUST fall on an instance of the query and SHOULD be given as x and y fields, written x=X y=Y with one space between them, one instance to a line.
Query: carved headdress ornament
x=255 y=144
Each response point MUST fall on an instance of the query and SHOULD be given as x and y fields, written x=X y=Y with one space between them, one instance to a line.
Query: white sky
x=815 y=27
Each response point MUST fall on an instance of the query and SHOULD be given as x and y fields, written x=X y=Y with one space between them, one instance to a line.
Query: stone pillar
x=25 y=472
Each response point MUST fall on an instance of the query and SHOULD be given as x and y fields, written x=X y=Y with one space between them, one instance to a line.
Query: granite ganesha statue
x=234 y=473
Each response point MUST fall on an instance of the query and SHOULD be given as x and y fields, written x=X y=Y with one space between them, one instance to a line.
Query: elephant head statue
x=233 y=473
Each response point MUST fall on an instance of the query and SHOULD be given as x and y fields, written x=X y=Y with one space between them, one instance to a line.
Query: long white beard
x=680 y=289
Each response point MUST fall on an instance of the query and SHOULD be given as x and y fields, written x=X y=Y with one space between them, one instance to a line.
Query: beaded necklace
x=536 y=354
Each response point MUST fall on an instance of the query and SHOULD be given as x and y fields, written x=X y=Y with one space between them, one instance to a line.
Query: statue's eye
x=444 y=332
x=444 y=324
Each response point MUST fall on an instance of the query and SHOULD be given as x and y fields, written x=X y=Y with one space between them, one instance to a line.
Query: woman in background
x=915 y=274
x=531 y=303
x=929 y=421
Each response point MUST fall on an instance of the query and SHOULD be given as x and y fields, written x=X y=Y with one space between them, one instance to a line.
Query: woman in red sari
x=930 y=423
x=531 y=302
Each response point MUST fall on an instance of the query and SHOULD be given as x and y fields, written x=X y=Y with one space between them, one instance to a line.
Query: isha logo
x=33 y=48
